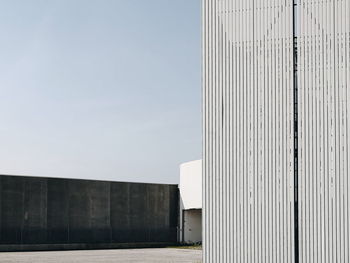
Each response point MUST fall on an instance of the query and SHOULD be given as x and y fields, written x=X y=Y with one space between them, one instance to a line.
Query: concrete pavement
x=150 y=255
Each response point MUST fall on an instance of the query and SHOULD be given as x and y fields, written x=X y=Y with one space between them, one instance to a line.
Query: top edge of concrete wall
x=81 y=179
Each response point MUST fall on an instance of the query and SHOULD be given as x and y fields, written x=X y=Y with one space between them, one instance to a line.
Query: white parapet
x=191 y=185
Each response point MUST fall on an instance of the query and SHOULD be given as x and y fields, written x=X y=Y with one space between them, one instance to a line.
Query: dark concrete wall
x=37 y=210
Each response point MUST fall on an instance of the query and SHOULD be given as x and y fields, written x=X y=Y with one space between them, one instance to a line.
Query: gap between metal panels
x=295 y=128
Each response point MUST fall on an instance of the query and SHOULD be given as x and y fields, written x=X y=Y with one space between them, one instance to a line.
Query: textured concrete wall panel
x=68 y=211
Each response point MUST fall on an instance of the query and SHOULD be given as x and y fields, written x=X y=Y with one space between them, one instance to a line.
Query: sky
x=100 y=89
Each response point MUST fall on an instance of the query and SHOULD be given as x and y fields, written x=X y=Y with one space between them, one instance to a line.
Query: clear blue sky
x=100 y=89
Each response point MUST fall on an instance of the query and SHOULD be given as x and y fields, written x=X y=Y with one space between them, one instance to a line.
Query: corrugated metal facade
x=324 y=78
x=248 y=131
x=248 y=140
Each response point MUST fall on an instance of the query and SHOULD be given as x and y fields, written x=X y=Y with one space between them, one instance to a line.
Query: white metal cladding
x=248 y=131
x=324 y=78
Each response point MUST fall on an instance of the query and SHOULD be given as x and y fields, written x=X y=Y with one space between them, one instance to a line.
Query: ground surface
x=104 y=256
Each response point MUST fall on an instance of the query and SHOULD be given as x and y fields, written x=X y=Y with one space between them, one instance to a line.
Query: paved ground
x=104 y=256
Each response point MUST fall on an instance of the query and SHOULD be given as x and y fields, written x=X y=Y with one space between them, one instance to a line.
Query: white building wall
x=248 y=131
x=190 y=188
x=192 y=226
x=324 y=139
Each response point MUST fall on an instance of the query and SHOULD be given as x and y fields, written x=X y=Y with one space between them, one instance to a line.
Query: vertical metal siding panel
x=313 y=240
x=279 y=213
x=290 y=176
x=234 y=24
x=255 y=141
x=321 y=150
x=327 y=146
x=211 y=178
x=247 y=126
x=329 y=132
x=342 y=227
x=301 y=137
x=204 y=109
x=338 y=141
x=261 y=88
x=318 y=148
x=343 y=123
x=283 y=183
x=302 y=133
x=217 y=130
x=340 y=135
x=220 y=134
x=212 y=185
x=224 y=135
x=313 y=219
x=206 y=132
x=258 y=20
x=323 y=86
x=265 y=122
x=213 y=138
x=240 y=249
x=324 y=176
x=205 y=121
x=333 y=134
x=229 y=118
x=347 y=73
x=271 y=131
x=347 y=101
x=289 y=120
x=344 y=131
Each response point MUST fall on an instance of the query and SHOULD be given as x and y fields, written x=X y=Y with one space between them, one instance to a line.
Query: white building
x=191 y=202
x=276 y=118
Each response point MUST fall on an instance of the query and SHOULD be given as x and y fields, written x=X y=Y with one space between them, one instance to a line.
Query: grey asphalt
x=104 y=256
